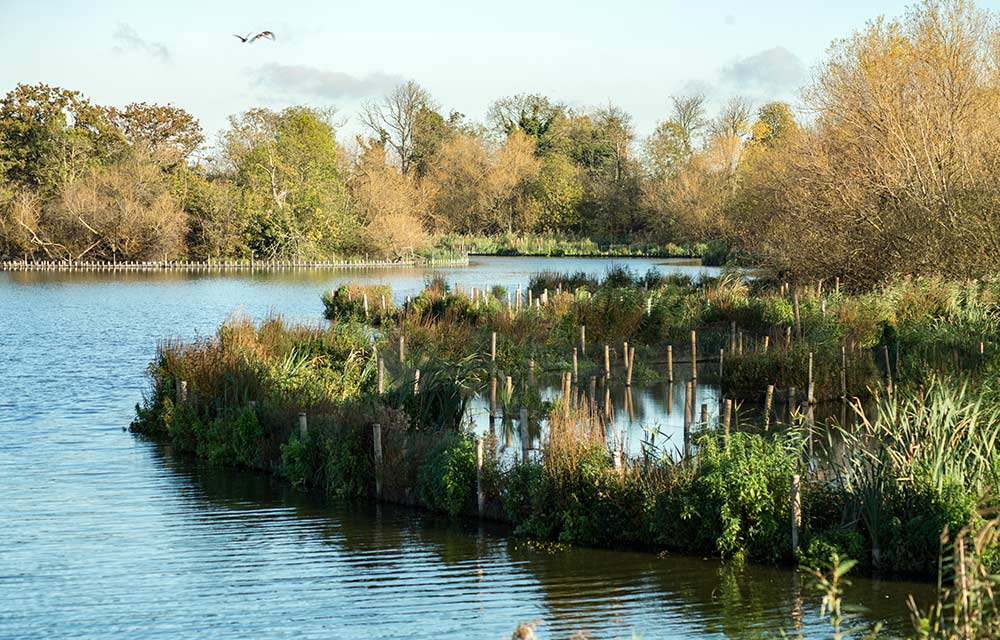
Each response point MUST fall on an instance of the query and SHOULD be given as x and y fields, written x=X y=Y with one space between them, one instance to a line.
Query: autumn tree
x=898 y=175
x=396 y=118
x=391 y=206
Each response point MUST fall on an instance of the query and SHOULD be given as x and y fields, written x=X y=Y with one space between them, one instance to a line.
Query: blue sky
x=466 y=54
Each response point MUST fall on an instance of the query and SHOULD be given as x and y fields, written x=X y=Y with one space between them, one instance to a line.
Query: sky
x=584 y=53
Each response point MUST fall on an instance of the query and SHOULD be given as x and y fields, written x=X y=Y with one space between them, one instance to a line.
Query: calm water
x=105 y=535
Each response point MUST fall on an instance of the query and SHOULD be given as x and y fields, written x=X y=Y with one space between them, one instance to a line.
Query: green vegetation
x=879 y=488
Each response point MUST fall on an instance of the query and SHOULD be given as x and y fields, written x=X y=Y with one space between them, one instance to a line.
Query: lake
x=103 y=534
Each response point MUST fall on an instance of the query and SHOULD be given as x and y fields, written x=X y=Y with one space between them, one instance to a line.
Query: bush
x=447 y=480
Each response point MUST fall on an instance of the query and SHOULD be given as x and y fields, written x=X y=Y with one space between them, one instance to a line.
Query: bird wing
x=264 y=34
x=235 y=35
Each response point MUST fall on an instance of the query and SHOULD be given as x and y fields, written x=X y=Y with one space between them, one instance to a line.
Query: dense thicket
x=892 y=171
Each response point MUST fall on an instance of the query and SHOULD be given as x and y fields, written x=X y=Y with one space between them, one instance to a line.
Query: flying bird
x=249 y=38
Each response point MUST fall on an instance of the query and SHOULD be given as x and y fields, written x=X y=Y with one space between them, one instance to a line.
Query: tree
x=395 y=119
x=532 y=114
x=666 y=150
x=556 y=195
x=167 y=133
x=898 y=176
x=512 y=171
x=123 y=211
x=390 y=205
x=286 y=167
x=50 y=136
x=688 y=112
x=775 y=123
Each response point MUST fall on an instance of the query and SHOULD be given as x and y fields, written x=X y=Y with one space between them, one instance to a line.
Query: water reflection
x=405 y=566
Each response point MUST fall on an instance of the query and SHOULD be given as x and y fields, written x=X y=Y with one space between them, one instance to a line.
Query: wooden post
x=836 y=289
x=416 y=381
x=576 y=371
x=381 y=374
x=767 y=342
x=728 y=423
x=303 y=425
x=688 y=411
x=810 y=391
x=630 y=357
x=768 y=402
x=531 y=371
x=798 y=316
x=625 y=354
x=796 y=513
x=480 y=494
x=510 y=387
x=788 y=337
x=364 y=300
x=694 y=354
x=583 y=339
x=493 y=347
x=670 y=363
x=402 y=348
x=607 y=361
x=377 y=446
x=722 y=353
x=523 y=426
x=617 y=457
x=517 y=299
x=493 y=399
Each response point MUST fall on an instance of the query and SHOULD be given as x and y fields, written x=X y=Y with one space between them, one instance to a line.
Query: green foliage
x=447 y=479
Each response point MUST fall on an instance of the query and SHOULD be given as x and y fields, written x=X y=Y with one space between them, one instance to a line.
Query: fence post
x=670 y=363
x=694 y=354
x=303 y=425
x=767 y=406
x=493 y=347
x=583 y=339
x=576 y=372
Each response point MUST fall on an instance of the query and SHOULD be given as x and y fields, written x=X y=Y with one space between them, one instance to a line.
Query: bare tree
x=394 y=119
x=734 y=118
x=689 y=113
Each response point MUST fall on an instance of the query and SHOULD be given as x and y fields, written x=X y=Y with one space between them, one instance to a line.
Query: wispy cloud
x=128 y=40
x=303 y=80
x=775 y=71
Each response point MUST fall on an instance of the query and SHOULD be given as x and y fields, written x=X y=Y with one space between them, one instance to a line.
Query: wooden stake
x=722 y=355
x=381 y=375
x=583 y=339
x=670 y=363
x=810 y=395
x=727 y=425
x=768 y=402
x=493 y=347
x=576 y=371
x=607 y=361
x=694 y=354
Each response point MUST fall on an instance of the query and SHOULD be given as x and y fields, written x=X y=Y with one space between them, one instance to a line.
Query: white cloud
x=129 y=40
x=303 y=80
x=775 y=71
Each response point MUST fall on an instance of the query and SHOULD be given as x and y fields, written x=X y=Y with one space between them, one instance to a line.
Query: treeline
x=892 y=171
